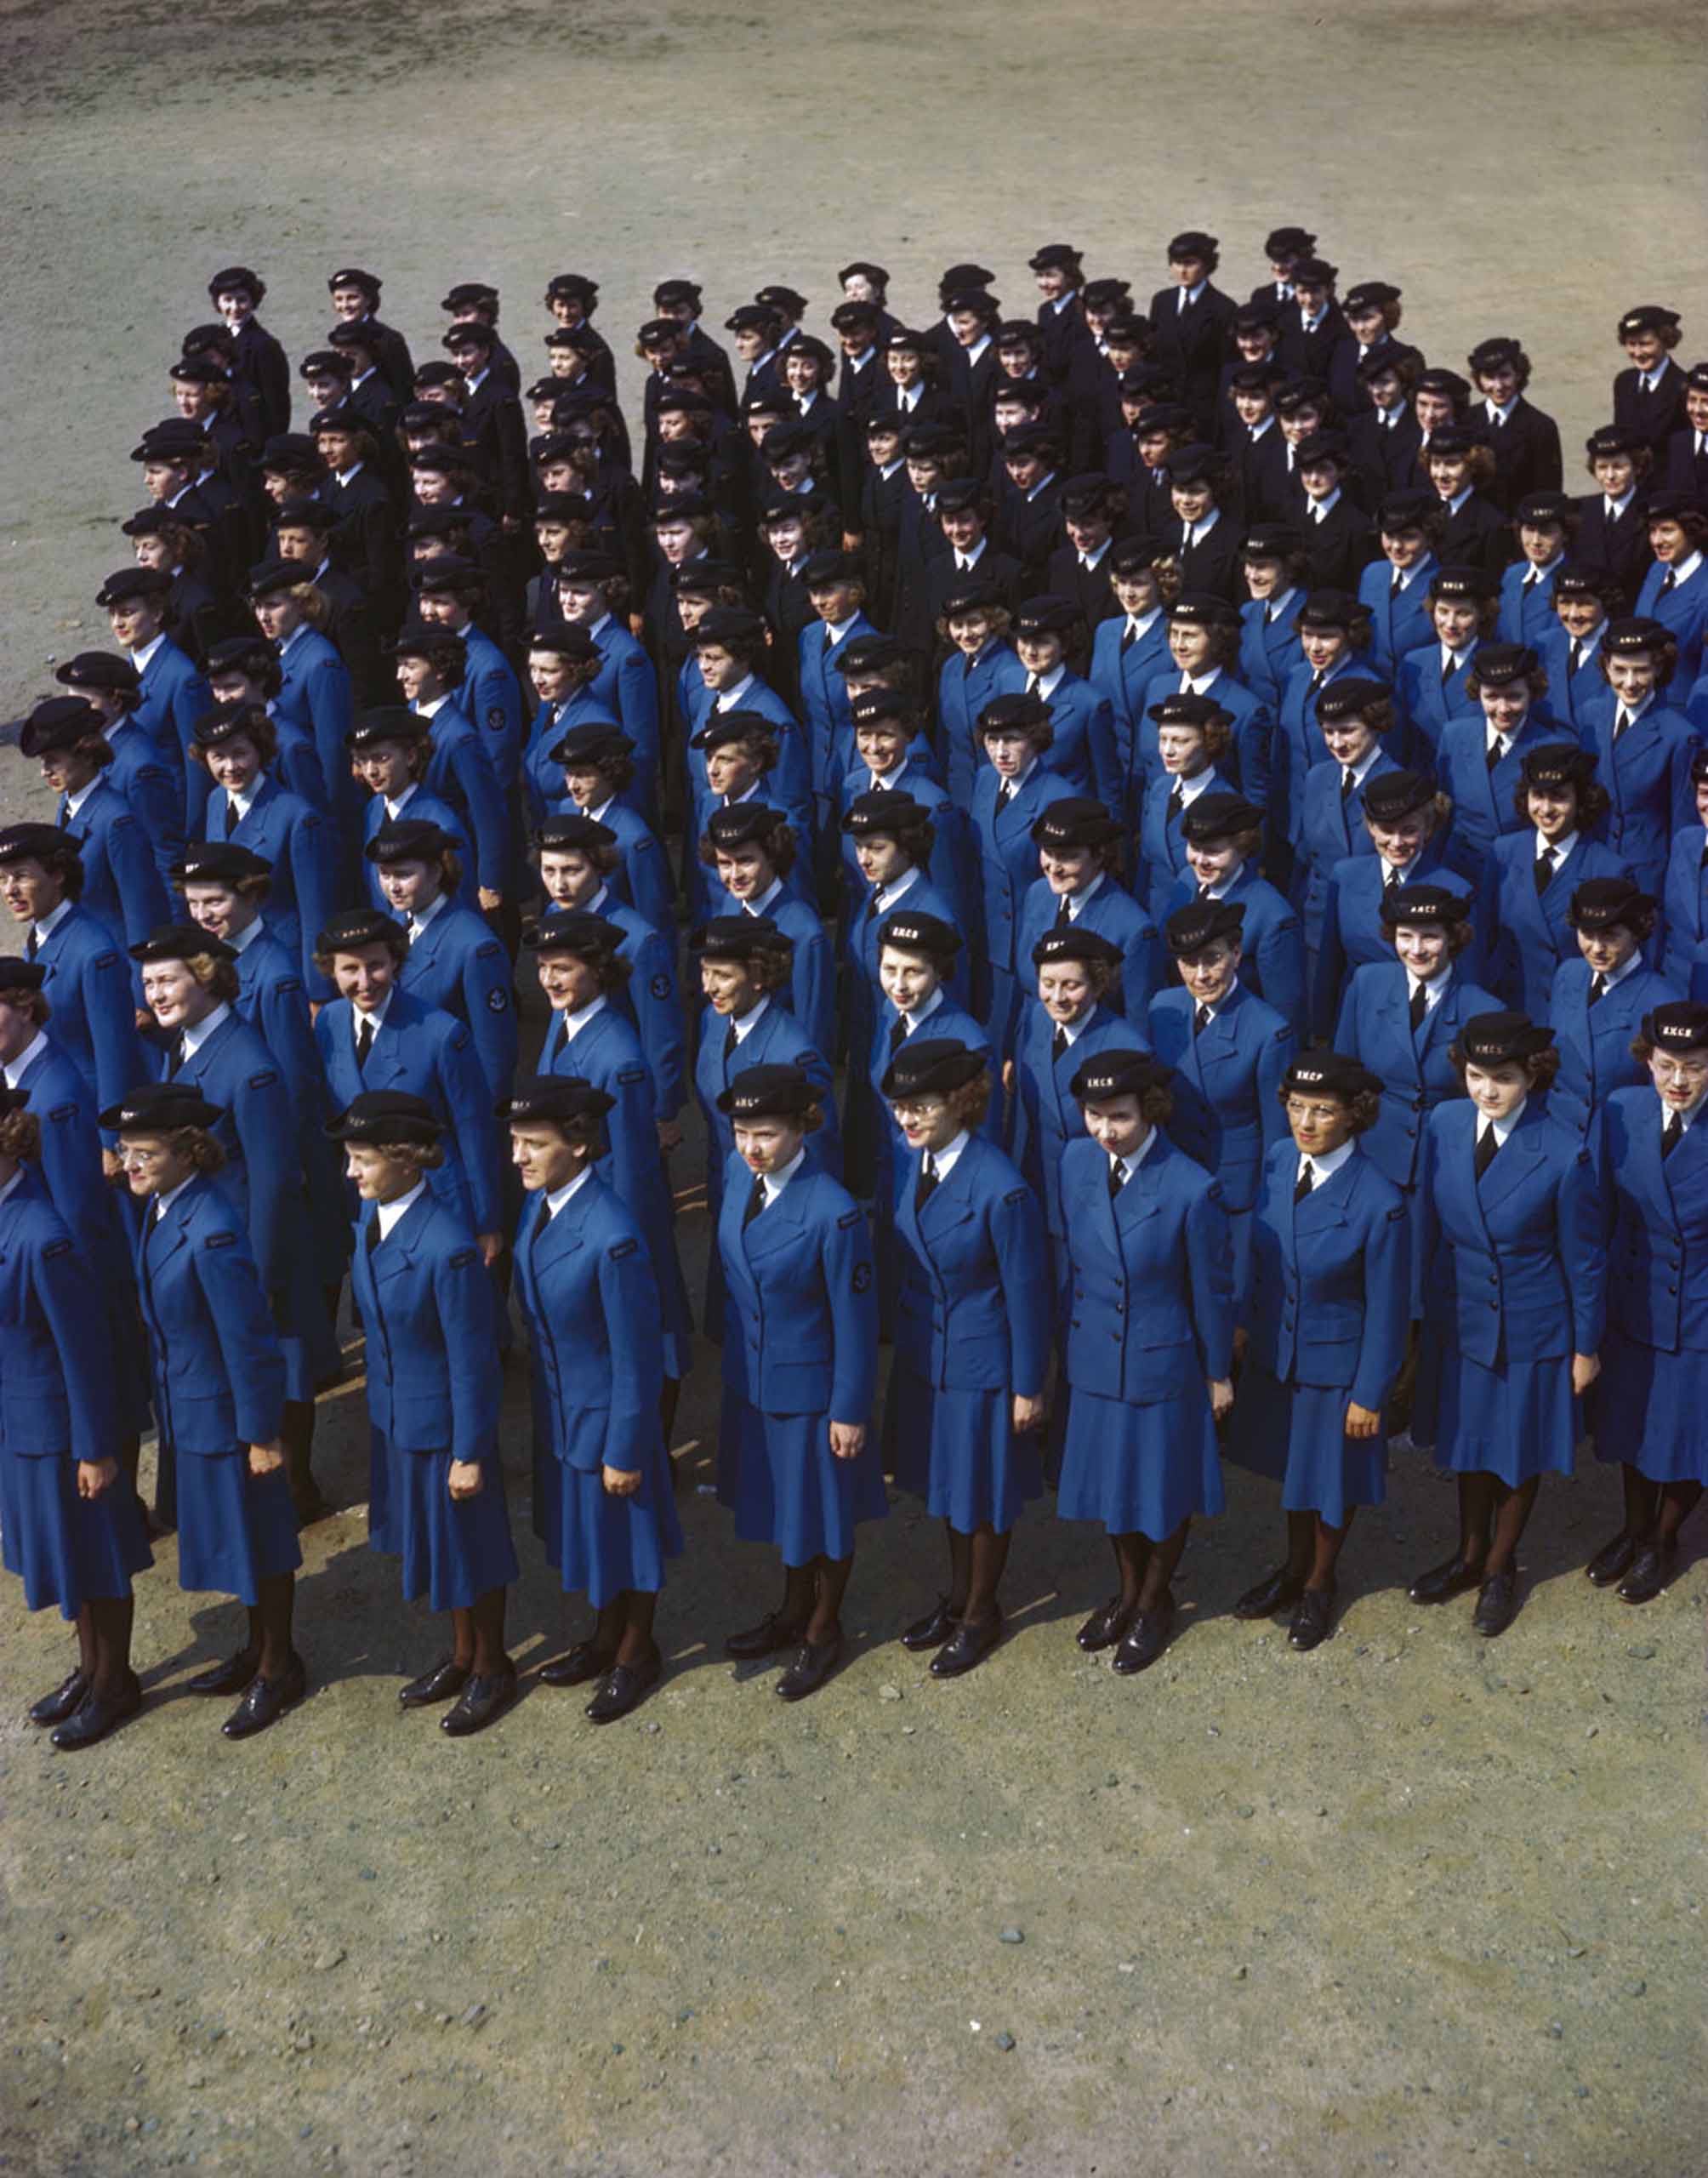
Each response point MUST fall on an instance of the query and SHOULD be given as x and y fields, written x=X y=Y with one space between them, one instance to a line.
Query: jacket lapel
x=1513 y=1164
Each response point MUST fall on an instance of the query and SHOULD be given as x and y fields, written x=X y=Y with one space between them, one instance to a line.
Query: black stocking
x=1513 y=1506
x=1677 y=1501
x=1131 y=1553
x=1476 y=1516
x=486 y=1633
x=270 y=1624
x=800 y=1594
x=1160 y=1569
x=1325 y=1549
x=637 y=1606
x=110 y=1619
x=989 y=1556
x=831 y=1582
x=1302 y=1543
x=1640 y=1500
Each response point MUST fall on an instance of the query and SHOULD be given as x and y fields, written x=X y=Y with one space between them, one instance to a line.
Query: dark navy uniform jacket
x=1330 y=1286
x=1416 y=1075
x=56 y=1401
x=972 y=1314
x=1594 y=1041
x=434 y=1375
x=218 y=1371
x=87 y=983
x=121 y=882
x=1227 y=1112
x=800 y=1330
x=456 y=966
x=1528 y=934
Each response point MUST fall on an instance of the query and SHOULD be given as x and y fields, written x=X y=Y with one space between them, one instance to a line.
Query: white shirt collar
x=1612 y=507
x=575 y=1021
x=1137 y=628
x=1563 y=846
x=884 y=782
x=387 y=1214
x=944 y=1161
x=889 y=894
x=921 y=1012
x=376 y=1020
x=964 y=560
x=1077 y=902
x=1618 y=975
x=1194 y=532
x=431 y=707
x=1199 y=782
x=1459 y=498
x=240 y=941
x=74 y=801
x=1199 y=684
x=163 y=1203
x=195 y=1036
x=1686 y=568
x=558 y=1196
x=760 y=906
x=977 y=349
x=396 y=808
x=139 y=659
x=1322 y=507
x=597 y=627
x=1497 y=413
x=731 y=699
x=245 y=802
x=745 y=1023
x=1686 y=1120
x=419 y=917
x=295 y=637
x=834 y=630
x=775 y=1183
x=1127 y=1165
x=15 y=1069
x=1091 y=560
x=1049 y=682
x=1501 y=1128
x=1361 y=770
x=45 y=926
x=1434 y=989
x=1325 y=1167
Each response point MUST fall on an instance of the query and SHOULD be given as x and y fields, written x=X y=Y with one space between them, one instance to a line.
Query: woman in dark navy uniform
x=219 y=1392
x=1327 y=1327
x=86 y=978
x=1356 y=719
x=1148 y=1297
x=1599 y=999
x=436 y=1489
x=752 y=847
x=796 y=1461
x=1649 y=1411
x=1531 y=874
x=454 y=964
x=965 y=1399
x=602 y=1498
x=71 y=1525
x=1228 y=1051
x=1515 y=1287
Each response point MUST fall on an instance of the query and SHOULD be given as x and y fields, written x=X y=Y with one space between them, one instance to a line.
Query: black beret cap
x=883 y=815
x=17 y=974
x=1219 y=816
x=767 y=1092
x=31 y=842
x=1349 y=697
x=1471 y=584
x=1137 y=555
x=352 y=275
x=1499 y=348
x=1075 y=941
x=676 y=291
x=744 y=824
x=1199 y=923
x=1075 y=821
x=1193 y=242
x=1050 y=614
x=219 y=862
x=1288 y=242
x=590 y=937
x=408 y=839
x=357 y=927
x=133 y=582
x=1202 y=609
x=569 y=831
x=1600 y=903
x=60 y=722
x=724 y=726
x=1400 y=511
x=1315 y=272
x=1332 y=608
x=306 y=514
x=737 y=937
x=913 y=932
x=231 y=279
x=448 y=575
x=592 y=743
x=1181 y=707
x=197 y=370
x=1330 y=1073
x=221 y=724
x=1408 y=905
x=1017 y=712
x=1120 y=1073
x=559 y=1098
x=160 y=1107
x=1271 y=540
x=1679 y=1027
x=180 y=941
x=972 y=593
x=1546 y=507
x=873 y=653
x=1369 y=295
x=1391 y=796
x=416 y=637
x=99 y=669
x=1496 y=665
x=1503 y=1039
x=1445 y=382
x=703 y=577
x=728 y=623
x=470 y=295
x=380 y=1117
x=823 y=568
x=291 y=450
x=1647 y=318
x=881 y=706
x=275 y=575
x=932 y=1066
x=1262 y=314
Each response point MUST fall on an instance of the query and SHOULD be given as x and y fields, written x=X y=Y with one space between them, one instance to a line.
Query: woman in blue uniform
x=1082 y=747
x=1598 y=999
x=1531 y=874
x=1684 y=900
x=1078 y=846
x=739 y=749
x=71 y=1526
x=122 y=882
x=1408 y=823
x=598 y=764
x=1334 y=634
x=1463 y=605
x=603 y=1506
x=1515 y=1288
x=432 y=664
x=1011 y=791
x=1228 y=1052
x=1147 y=1298
x=1356 y=718
x=219 y=1384
x=796 y=1460
x=454 y=963
x=1327 y=1329
x=106 y=686
x=1649 y=1412
x=315 y=692
x=375 y=1035
x=580 y=969
x=190 y=984
x=171 y=693
x=436 y=1489
x=1192 y=742
x=753 y=850
x=235 y=745
x=1481 y=756
x=86 y=978
x=1644 y=748
x=1224 y=836
x=966 y=1401
x=388 y=754
x=893 y=838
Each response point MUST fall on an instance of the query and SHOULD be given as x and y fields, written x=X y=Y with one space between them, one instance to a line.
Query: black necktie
x=1668 y=581
x=1577 y=655
x=1064 y=914
x=1058 y=1043
x=732 y=1042
x=1316 y=680
x=1128 y=638
x=1545 y=870
x=33 y=945
x=898 y=1034
x=370 y=1239
x=1395 y=587
x=755 y=1202
x=180 y=1052
x=1349 y=779
x=1392 y=877
x=1176 y=801
x=926 y=1185
x=364 y=1042
x=1201 y=1020
x=558 y=1042
x=1621 y=726
x=1493 y=757
x=1449 y=671
x=1672 y=1134
x=1487 y=1143
x=1118 y=1177
x=230 y=817
x=1005 y=793
x=1420 y=1008
x=1306 y=1181
x=1597 y=989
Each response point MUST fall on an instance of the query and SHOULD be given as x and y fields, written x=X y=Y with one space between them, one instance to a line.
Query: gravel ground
x=1417 y=1903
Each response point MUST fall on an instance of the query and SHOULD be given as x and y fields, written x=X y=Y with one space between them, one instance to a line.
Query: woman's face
x=1607 y=950
x=234 y=763
x=1615 y=473
x=365 y=977
x=1137 y=594
x=1212 y=862
x=410 y=886
x=1264 y=577
x=569 y=982
x=544 y=1159
x=1507 y=707
x=586 y=786
x=1009 y=753
x=1668 y=542
x=1323 y=646
x=384 y=767
x=1190 y=645
x=136 y=622
x=218 y=910
x=1645 y=350
x=731 y=769
x=882 y=746
x=766 y=1145
x=418 y=680
x=926 y=1122
x=1039 y=654
x=1631 y=675
x=1449 y=473
x=567 y=877
x=1252 y=407
x=153 y=552
x=1181 y=750
x=882 y=448
x=1349 y=740
x=746 y=873
x=1702 y=800
x=1553 y=810
x=152 y=1165
x=1433 y=411
x=1541 y=542
x=1116 y=1124
x=970 y=632
x=1320 y=479
x=377 y=1173
x=1496 y=1091
x=1068 y=871
x=1579 y=616
x=1400 y=841
x=720 y=668
x=1065 y=992
x=1457 y=622
x=964 y=527
x=1299 y=425
x=1405 y=548
x=172 y=995
x=881 y=860
x=68 y=770
x=908 y=980
x=28 y=889
x=1680 y=1078
x=1192 y=502
x=677 y=539
x=1387 y=390
x=1422 y=947
x=1210 y=973
x=278 y=615
x=582 y=603
x=1319 y=1124
x=906 y=366
x=729 y=987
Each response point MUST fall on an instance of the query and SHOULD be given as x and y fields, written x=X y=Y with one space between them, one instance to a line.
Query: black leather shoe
x=229 y=1677
x=1280 y=1589
x=266 y=1701
x=1613 y=1561
x=65 y=1700
x=625 y=1687
x=1313 y=1616
x=1651 y=1569
x=931 y=1631
x=1145 y=1639
x=1442 y=1583
x=483 y=1698
x=584 y=1662
x=94 y=1717
x=308 y=1505
x=447 y=1677
x=765 y=1639
x=1105 y=1625
x=809 y=1667
x=1497 y=1604
x=969 y=1645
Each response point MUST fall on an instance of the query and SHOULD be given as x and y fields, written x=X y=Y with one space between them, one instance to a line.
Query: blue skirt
x=787 y=1488
x=960 y=1451
x=1295 y=1434
x=453 y=1549
x=65 y=1548
x=1651 y=1410
x=599 y=1545
x=1139 y=1469
x=235 y=1529
x=1515 y=1423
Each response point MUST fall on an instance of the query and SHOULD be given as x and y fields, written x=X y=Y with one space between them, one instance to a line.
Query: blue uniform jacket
x=1162 y=843
x=586 y=1282
x=87 y=984
x=1008 y=856
x=824 y=701
x=1047 y=1114
x=1084 y=752
x=1251 y=756
x=1572 y=697
x=864 y=995
x=1114 y=914
x=791 y=777
x=644 y=872
x=1399 y=625
x=1658 y=1257
x=1121 y=677
x=801 y=1328
x=1424 y=703
x=954 y=864
x=1416 y=1075
x=1353 y=932
x=1332 y=827
x=121 y=882
x=950 y=1023
x=457 y=966
x=421 y=808
x=1647 y=775
x=1330 y=1287
x=973 y=1315
x=1684 y=610
x=218 y=1371
x=1529 y=935
x=490 y=700
x=1484 y=801
x=649 y=997
x=1527 y=613
x=296 y=840
x=434 y=1375
x=1149 y=1299
x=1272 y=945
x=460 y=773
x=150 y=790
x=627 y=685
x=1514 y=1267
x=1269 y=649
x=776 y=1038
x=1594 y=1042
x=172 y=696
x=542 y=778
x=316 y=698
x=811 y=995
x=57 y=1388
x=1684 y=907
x=964 y=686
x=426 y=1054
x=1227 y=1112
x=1299 y=749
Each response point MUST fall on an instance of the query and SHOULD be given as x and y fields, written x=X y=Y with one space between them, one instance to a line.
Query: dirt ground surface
x=1417 y=1903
